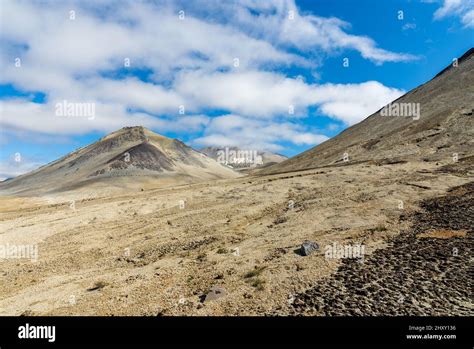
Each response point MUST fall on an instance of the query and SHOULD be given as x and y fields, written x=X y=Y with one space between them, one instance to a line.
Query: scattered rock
x=398 y=279
x=214 y=293
x=308 y=247
x=98 y=285
x=279 y=220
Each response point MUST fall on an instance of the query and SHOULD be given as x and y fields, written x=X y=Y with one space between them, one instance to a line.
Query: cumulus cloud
x=264 y=94
x=468 y=19
x=42 y=117
x=20 y=114
x=281 y=23
x=352 y=102
x=13 y=166
x=253 y=94
x=231 y=63
x=257 y=93
x=236 y=130
x=461 y=8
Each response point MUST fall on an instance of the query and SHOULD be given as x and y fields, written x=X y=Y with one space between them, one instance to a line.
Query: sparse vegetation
x=378 y=228
x=253 y=278
x=259 y=284
x=222 y=250
x=201 y=257
x=253 y=273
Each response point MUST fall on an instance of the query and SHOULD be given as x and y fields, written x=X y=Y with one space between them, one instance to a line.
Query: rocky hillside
x=432 y=122
x=131 y=154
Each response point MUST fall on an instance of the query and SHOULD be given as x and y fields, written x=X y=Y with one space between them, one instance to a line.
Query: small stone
x=215 y=293
x=308 y=247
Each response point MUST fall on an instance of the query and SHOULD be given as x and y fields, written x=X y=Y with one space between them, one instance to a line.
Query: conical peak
x=135 y=133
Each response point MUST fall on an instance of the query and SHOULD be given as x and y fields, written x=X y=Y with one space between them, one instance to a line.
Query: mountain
x=443 y=128
x=129 y=157
x=243 y=159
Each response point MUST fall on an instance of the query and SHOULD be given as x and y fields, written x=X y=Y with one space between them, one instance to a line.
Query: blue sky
x=260 y=75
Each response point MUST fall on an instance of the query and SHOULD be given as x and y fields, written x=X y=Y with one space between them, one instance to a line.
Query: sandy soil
x=140 y=253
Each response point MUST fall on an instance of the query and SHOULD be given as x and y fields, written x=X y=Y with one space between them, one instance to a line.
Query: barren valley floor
x=140 y=253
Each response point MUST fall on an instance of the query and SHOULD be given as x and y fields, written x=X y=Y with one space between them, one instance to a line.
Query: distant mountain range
x=243 y=159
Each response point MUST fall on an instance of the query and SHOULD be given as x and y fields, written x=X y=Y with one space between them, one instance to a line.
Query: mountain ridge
x=445 y=126
x=129 y=152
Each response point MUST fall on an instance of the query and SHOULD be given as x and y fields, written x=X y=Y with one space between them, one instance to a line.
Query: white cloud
x=236 y=130
x=353 y=102
x=281 y=23
x=449 y=7
x=468 y=19
x=253 y=94
x=19 y=114
x=190 y=62
x=12 y=168
x=263 y=94
x=461 y=8
x=134 y=94
x=256 y=93
x=90 y=44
